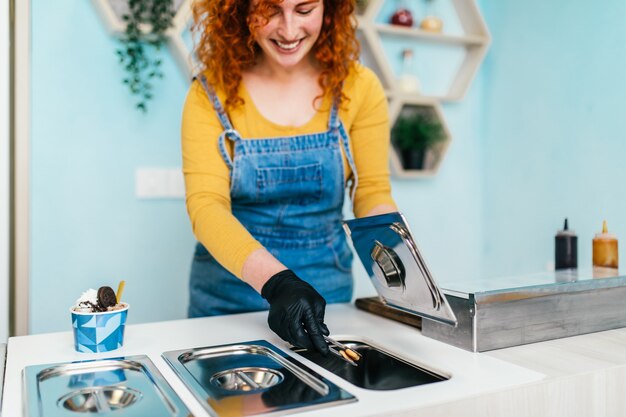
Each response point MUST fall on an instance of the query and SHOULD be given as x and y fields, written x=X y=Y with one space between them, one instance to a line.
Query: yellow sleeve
x=207 y=185
x=369 y=138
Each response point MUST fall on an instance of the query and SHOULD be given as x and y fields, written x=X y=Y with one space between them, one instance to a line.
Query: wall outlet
x=159 y=183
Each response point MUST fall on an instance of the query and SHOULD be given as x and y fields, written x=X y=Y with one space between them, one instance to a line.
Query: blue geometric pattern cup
x=99 y=332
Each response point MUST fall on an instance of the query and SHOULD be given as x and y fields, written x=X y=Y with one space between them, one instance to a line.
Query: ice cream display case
x=511 y=311
x=485 y=314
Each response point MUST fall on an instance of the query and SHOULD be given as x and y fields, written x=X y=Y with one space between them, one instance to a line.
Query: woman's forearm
x=259 y=267
x=381 y=209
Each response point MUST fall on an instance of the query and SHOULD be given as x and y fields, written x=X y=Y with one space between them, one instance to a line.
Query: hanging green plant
x=146 y=23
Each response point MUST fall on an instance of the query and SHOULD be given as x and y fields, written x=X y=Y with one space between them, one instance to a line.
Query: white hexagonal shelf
x=464 y=41
x=369 y=58
x=181 y=41
x=401 y=105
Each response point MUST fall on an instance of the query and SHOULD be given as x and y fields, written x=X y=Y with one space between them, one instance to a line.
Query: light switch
x=176 y=183
x=159 y=183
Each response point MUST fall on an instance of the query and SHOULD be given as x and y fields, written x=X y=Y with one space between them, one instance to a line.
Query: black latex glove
x=296 y=311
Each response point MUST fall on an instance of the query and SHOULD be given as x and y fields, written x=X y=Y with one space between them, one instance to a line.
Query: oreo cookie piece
x=106 y=297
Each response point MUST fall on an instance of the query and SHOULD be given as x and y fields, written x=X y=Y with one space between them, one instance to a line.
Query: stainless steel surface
x=377 y=370
x=335 y=342
x=332 y=347
x=247 y=379
x=126 y=386
x=3 y=358
x=252 y=378
x=398 y=271
x=511 y=311
x=539 y=284
x=99 y=399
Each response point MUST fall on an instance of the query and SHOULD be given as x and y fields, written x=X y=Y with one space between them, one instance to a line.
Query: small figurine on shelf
x=402 y=16
x=408 y=81
x=431 y=22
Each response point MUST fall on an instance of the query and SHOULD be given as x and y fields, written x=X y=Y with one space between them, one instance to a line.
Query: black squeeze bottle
x=565 y=249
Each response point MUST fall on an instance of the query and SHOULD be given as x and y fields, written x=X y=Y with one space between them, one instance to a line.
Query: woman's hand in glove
x=296 y=311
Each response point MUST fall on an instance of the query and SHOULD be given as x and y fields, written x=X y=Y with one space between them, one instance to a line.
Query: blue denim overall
x=288 y=192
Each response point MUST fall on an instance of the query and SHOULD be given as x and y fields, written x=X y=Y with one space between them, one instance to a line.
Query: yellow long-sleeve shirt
x=207 y=179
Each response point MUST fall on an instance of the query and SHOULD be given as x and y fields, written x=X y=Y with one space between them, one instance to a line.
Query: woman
x=281 y=119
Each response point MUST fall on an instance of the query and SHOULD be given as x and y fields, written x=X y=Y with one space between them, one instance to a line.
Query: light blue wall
x=87 y=227
x=555 y=123
x=445 y=211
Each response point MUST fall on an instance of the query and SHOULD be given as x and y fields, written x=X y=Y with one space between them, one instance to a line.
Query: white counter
x=480 y=384
x=3 y=350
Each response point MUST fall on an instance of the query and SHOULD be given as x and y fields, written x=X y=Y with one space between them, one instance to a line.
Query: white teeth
x=288 y=46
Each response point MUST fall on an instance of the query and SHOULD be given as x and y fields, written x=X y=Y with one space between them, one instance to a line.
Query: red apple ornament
x=402 y=17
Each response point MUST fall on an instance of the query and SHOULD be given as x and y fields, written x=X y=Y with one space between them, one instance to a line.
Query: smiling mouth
x=288 y=46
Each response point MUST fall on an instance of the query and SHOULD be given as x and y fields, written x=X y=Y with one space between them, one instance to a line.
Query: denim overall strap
x=219 y=109
x=232 y=135
x=333 y=119
x=229 y=132
x=336 y=126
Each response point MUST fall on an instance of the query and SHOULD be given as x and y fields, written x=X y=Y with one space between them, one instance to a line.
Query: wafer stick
x=120 y=290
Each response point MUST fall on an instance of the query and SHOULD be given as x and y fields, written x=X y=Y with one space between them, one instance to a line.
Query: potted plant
x=146 y=22
x=361 y=6
x=414 y=134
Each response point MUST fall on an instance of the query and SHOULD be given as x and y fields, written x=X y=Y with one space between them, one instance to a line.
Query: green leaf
x=419 y=130
x=135 y=55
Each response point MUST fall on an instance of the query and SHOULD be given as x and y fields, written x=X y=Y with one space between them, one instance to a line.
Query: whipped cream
x=88 y=298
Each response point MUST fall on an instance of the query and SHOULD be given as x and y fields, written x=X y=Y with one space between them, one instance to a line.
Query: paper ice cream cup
x=99 y=332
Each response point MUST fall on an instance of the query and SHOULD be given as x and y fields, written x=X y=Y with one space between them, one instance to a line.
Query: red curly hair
x=226 y=44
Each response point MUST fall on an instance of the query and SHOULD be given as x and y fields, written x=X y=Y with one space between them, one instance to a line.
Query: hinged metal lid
x=394 y=264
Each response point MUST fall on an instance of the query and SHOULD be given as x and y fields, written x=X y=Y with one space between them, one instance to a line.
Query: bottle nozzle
x=604 y=228
x=565 y=224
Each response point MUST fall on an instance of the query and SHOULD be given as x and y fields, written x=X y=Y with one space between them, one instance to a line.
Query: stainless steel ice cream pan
x=126 y=386
x=377 y=368
x=252 y=378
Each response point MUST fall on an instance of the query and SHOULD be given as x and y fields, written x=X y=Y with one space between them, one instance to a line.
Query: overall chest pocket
x=289 y=185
